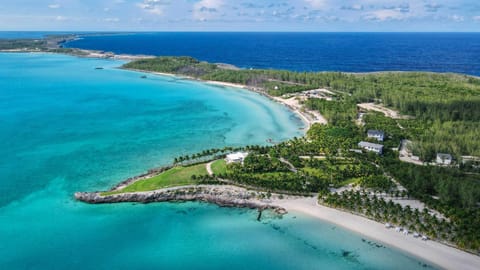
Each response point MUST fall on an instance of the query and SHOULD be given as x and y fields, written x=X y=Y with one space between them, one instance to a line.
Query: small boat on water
x=143 y=77
x=99 y=68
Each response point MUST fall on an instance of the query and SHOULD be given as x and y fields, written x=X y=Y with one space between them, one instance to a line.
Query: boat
x=143 y=77
x=416 y=235
x=99 y=68
x=388 y=225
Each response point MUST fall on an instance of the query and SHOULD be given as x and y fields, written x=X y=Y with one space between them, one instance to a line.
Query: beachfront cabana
x=236 y=157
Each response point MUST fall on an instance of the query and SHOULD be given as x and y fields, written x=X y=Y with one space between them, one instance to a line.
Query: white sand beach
x=438 y=254
x=310 y=117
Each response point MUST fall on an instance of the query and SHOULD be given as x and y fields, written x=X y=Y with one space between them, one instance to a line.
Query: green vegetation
x=47 y=44
x=377 y=182
x=219 y=167
x=11 y=44
x=338 y=112
x=176 y=176
x=383 y=211
x=178 y=65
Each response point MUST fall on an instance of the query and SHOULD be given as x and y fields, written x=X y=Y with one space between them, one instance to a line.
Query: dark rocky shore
x=226 y=196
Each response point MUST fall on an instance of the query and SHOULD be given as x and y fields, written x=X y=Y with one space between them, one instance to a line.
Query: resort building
x=444 y=159
x=236 y=157
x=372 y=147
x=376 y=134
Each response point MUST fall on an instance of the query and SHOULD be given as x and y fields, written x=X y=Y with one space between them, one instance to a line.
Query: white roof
x=237 y=155
x=371 y=145
x=374 y=132
x=444 y=156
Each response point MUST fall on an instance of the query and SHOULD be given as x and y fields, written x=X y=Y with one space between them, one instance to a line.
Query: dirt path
x=209 y=168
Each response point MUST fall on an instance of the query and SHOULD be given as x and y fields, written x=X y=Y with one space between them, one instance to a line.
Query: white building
x=444 y=159
x=372 y=147
x=377 y=134
x=236 y=157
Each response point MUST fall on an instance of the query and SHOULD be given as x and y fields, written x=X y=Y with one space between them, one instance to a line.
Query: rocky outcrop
x=220 y=195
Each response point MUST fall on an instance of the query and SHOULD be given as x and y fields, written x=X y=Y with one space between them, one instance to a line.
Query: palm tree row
x=380 y=210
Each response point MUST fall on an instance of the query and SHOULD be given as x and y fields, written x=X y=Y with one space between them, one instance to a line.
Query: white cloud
x=153 y=6
x=206 y=9
x=54 y=6
x=317 y=4
x=61 y=18
x=353 y=7
x=112 y=20
x=456 y=18
x=385 y=15
x=476 y=18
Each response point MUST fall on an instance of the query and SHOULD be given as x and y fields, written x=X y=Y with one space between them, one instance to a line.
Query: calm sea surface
x=66 y=126
x=352 y=52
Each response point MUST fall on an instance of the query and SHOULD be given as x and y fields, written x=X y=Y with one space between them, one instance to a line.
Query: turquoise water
x=66 y=127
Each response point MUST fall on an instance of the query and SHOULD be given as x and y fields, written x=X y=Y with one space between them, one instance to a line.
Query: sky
x=241 y=15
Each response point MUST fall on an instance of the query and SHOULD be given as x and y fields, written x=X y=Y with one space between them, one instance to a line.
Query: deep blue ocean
x=350 y=52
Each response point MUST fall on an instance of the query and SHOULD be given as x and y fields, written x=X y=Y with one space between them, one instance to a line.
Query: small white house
x=376 y=134
x=444 y=159
x=236 y=157
x=372 y=147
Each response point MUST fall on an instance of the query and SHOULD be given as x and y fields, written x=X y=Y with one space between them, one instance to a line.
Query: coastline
x=435 y=253
x=222 y=195
x=438 y=254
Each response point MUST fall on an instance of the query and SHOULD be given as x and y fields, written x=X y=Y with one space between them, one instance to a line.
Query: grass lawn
x=219 y=167
x=314 y=171
x=350 y=181
x=177 y=176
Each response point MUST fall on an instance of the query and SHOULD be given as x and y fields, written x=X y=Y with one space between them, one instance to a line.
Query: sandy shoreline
x=434 y=252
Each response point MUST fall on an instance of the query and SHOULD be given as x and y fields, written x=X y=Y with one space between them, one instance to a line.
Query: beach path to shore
x=209 y=167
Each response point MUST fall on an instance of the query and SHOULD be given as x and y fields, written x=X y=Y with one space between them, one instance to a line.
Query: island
x=392 y=155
